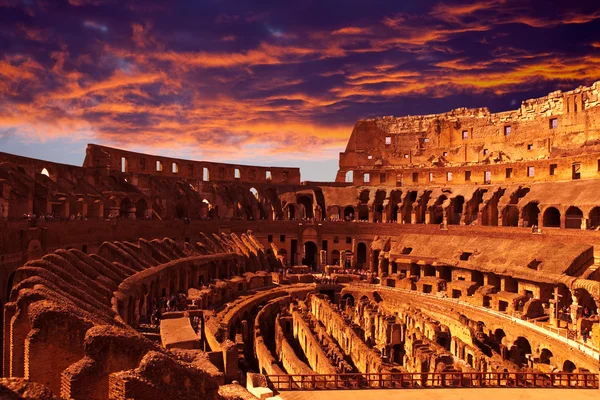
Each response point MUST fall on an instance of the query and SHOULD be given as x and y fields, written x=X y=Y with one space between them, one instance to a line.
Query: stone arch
x=436 y=212
x=349 y=177
x=545 y=356
x=307 y=202
x=595 y=217
x=510 y=216
x=569 y=366
x=455 y=210
x=310 y=254
x=378 y=208
x=519 y=351
x=349 y=214
x=551 y=217
x=334 y=213
x=349 y=299
x=573 y=218
x=531 y=214
x=289 y=211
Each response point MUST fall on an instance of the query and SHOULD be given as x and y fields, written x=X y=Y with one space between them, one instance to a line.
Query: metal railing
x=406 y=380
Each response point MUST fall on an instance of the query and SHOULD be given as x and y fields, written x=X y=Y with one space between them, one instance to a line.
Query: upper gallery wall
x=466 y=145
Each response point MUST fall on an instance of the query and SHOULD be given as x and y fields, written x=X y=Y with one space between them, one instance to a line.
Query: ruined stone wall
x=113 y=159
x=286 y=354
x=542 y=128
x=316 y=357
x=66 y=323
x=363 y=357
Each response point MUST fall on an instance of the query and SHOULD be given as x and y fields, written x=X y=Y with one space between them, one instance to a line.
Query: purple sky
x=270 y=82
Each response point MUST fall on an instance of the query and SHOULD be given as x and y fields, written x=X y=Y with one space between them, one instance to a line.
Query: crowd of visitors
x=164 y=304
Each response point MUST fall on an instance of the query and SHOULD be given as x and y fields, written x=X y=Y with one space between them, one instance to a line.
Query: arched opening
x=569 y=366
x=510 y=216
x=394 y=213
x=361 y=255
x=308 y=206
x=349 y=178
x=349 y=299
x=349 y=213
x=519 y=351
x=531 y=213
x=545 y=356
x=595 y=217
x=499 y=335
x=378 y=206
x=552 y=218
x=254 y=193
x=310 y=254
x=141 y=208
x=335 y=257
x=573 y=218
x=455 y=210
x=347 y=259
x=586 y=302
x=436 y=211
x=205 y=208
x=124 y=208
x=334 y=213
x=407 y=208
x=290 y=212
x=45 y=172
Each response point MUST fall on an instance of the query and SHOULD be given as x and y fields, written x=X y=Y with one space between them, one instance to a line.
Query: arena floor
x=446 y=394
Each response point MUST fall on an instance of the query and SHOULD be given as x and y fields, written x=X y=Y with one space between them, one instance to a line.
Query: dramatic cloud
x=276 y=83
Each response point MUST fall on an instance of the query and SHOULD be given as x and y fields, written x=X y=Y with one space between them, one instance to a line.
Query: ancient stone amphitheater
x=453 y=250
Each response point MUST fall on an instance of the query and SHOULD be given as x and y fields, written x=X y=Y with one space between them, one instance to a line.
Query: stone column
x=230 y=361
x=413 y=217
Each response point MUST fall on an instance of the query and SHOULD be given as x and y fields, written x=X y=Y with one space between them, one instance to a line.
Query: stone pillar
x=584 y=223
x=563 y=221
x=445 y=219
x=131 y=213
x=428 y=217
x=230 y=361
x=383 y=265
x=413 y=217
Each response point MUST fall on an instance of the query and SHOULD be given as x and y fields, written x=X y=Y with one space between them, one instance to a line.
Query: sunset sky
x=270 y=82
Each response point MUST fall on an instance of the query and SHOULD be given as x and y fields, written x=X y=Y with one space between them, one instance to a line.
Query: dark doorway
x=361 y=255
x=310 y=255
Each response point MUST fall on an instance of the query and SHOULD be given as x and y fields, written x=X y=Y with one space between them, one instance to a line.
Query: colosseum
x=453 y=250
